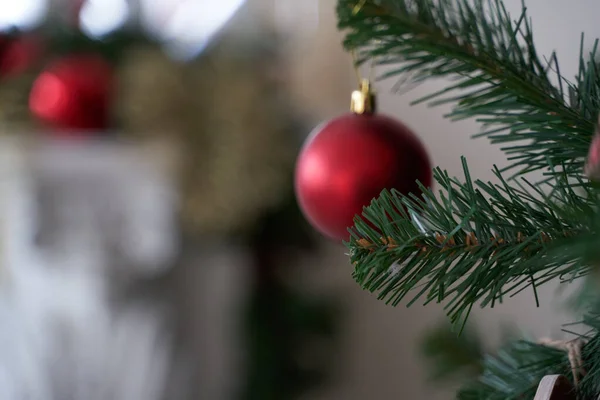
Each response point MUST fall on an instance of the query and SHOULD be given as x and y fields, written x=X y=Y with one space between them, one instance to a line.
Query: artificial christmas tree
x=473 y=243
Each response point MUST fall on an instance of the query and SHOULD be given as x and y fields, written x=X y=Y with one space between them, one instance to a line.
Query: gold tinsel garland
x=15 y=116
x=236 y=141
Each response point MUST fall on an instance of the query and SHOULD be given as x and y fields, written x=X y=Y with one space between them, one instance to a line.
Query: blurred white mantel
x=60 y=338
x=122 y=192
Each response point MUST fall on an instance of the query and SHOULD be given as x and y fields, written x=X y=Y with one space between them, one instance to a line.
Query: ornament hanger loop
x=363 y=99
x=356 y=65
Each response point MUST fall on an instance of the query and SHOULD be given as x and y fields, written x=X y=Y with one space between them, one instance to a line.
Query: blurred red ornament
x=19 y=54
x=592 y=164
x=348 y=161
x=74 y=94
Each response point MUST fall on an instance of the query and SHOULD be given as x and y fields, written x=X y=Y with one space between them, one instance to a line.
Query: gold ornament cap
x=363 y=99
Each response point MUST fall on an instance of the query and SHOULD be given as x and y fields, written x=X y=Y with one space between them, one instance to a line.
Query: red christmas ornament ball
x=74 y=94
x=348 y=161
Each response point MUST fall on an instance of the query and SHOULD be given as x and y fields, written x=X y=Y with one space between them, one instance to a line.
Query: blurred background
x=151 y=246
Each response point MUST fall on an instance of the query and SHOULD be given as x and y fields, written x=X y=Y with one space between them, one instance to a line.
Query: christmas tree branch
x=515 y=371
x=498 y=77
x=474 y=243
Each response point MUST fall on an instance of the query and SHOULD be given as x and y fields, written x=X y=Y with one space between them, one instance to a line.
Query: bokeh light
x=22 y=14
x=100 y=17
x=186 y=26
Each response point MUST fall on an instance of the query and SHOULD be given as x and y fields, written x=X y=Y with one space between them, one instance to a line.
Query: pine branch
x=514 y=372
x=589 y=387
x=475 y=244
x=498 y=77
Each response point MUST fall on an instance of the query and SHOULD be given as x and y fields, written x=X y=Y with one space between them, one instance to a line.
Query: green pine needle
x=496 y=75
x=473 y=243
x=514 y=371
